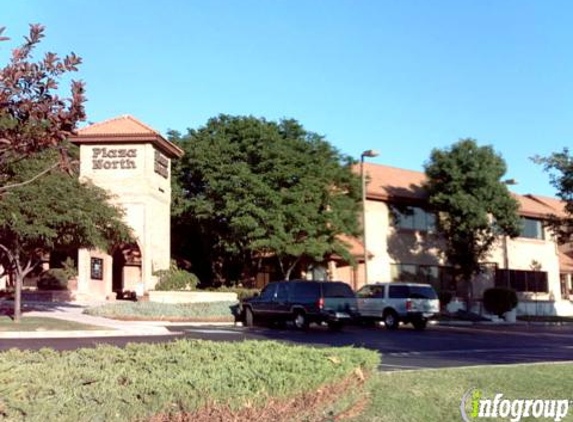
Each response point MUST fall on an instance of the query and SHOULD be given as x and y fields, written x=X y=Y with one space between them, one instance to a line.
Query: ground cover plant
x=182 y=380
x=435 y=395
x=208 y=311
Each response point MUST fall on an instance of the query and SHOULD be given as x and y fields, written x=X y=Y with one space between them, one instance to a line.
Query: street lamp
x=368 y=153
x=507 y=182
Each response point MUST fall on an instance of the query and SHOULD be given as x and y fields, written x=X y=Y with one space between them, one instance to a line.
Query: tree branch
x=27 y=182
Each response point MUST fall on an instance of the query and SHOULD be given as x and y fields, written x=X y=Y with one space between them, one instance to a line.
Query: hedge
x=155 y=310
x=141 y=381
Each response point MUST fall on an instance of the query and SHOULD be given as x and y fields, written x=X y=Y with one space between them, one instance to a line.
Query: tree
x=560 y=167
x=474 y=206
x=256 y=189
x=56 y=211
x=32 y=114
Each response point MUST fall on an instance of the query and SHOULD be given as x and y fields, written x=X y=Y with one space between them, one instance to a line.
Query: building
x=133 y=162
x=403 y=245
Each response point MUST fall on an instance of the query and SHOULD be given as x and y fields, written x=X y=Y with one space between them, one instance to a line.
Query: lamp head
x=370 y=153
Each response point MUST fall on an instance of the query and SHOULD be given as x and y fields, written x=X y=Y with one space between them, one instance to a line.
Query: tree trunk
x=18 y=297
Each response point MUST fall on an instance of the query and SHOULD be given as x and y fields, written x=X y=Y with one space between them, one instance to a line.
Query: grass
x=141 y=381
x=213 y=311
x=549 y=318
x=42 y=324
x=435 y=395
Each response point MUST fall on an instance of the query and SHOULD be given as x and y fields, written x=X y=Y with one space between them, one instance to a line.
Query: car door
x=263 y=304
x=377 y=301
x=281 y=307
x=363 y=301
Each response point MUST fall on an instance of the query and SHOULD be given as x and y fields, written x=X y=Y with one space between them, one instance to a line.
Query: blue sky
x=402 y=77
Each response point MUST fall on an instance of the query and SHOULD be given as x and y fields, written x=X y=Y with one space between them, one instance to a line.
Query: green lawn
x=435 y=395
x=212 y=311
x=42 y=324
x=552 y=318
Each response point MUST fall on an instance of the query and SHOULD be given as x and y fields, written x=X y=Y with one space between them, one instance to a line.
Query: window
x=398 y=292
x=522 y=280
x=441 y=278
x=330 y=289
x=303 y=291
x=282 y=292
x=421 y=292
x=413 y=218
x=268 y=292
x=532 y=228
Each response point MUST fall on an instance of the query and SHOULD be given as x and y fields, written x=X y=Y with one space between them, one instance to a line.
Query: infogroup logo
x=511 y=410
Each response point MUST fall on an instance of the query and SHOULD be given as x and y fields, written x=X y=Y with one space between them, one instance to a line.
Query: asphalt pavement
x=403 y=349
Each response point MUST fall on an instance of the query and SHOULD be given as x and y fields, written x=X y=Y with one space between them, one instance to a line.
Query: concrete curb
x=500 y=324
x=82 y=334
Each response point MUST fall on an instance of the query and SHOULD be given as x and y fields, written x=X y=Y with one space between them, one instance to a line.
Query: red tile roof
x=388 y=183
x=125 y=129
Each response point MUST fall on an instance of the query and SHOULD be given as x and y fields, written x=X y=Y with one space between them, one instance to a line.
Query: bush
x=174 y=311
x=140 y=381
x=499 y=300
x=53 y=279
x=175 y=279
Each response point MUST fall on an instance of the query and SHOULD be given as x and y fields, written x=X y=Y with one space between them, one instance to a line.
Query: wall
x=145 y=197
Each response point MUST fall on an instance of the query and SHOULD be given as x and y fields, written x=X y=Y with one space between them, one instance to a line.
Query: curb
x=82 y=334
x=501 y=323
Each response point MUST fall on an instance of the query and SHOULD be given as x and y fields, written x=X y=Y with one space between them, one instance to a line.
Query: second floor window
x=532 y=228
x=413 y=218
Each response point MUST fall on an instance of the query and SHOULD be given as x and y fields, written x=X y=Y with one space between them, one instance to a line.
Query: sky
x=401 y=77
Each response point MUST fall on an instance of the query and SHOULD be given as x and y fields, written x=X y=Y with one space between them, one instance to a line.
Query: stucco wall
x=411 y=247
x=145 y=197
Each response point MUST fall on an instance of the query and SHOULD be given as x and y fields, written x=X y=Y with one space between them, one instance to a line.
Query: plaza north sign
x=114 y=158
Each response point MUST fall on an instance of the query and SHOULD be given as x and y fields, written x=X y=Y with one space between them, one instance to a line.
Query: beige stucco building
x=403 y=245
x=133 y=162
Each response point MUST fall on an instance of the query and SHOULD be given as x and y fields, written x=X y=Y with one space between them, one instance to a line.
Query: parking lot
x=403 y=349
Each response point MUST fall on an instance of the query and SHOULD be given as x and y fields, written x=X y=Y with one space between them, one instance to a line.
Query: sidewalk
x=109 y=327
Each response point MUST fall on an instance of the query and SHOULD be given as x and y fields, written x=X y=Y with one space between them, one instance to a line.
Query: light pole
x=507 y=182
x=368 y=153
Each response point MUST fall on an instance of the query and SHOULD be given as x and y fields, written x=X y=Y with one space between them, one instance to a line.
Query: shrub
x=53 y=279
x=140 y=381
x=499 y=300
x=153 y=310
x=175 y=279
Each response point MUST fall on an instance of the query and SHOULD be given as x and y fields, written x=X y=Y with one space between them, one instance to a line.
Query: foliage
x=251 y=189
x=56 y=211
x=69 y=268
x=141 y=380
x=465 y=187
x=175 y=279
x=153 y=310
x=53 y=279
x=499 y=300
x=32 y=114
x=560 y=167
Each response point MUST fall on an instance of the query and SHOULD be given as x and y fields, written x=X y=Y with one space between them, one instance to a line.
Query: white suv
x=397 y=302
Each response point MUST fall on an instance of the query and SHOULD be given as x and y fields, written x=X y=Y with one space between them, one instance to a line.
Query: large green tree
x=56 y=211
x=255 y=189
x=473 y=204
x=560 y=167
